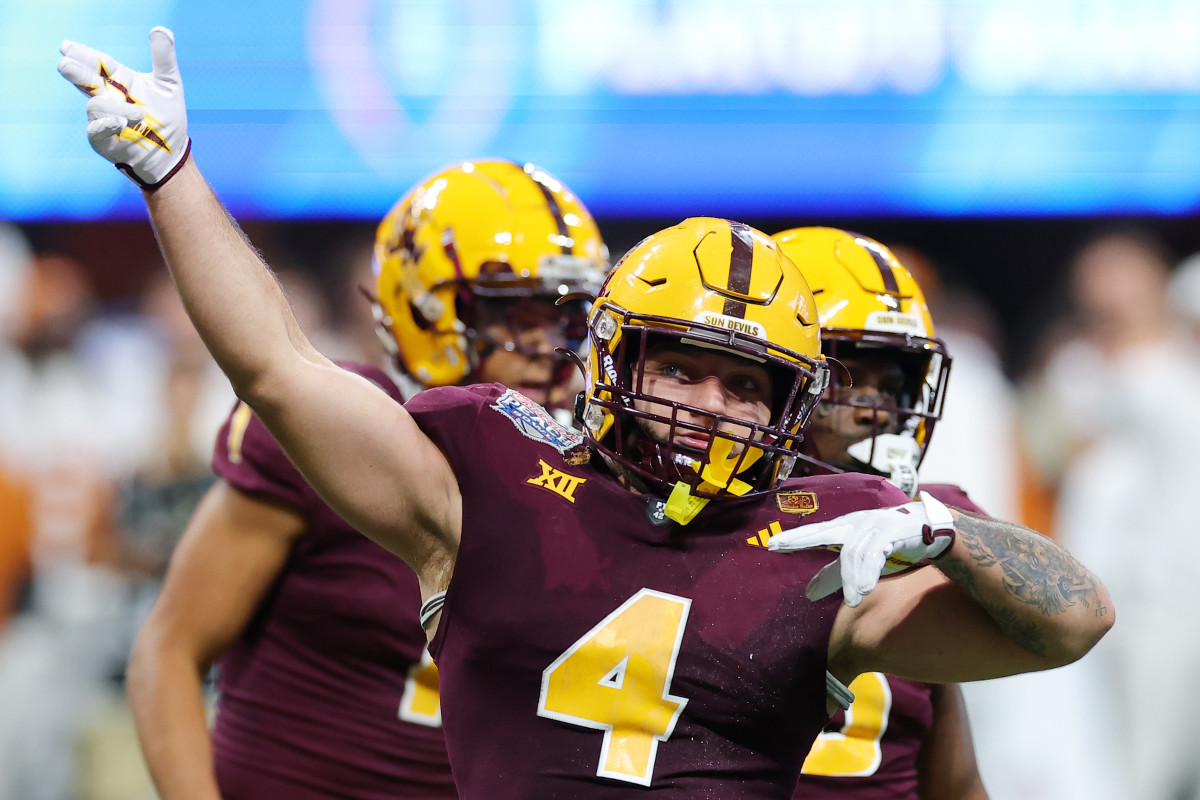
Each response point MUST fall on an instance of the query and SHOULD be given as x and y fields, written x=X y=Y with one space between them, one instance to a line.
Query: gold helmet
x=715 y=284
x=475 y=231
x=869 y=303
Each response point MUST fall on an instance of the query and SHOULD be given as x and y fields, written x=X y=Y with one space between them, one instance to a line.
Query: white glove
x=872 y=543
x=137 y=120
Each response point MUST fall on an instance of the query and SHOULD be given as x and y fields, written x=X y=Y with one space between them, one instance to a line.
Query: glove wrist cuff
x=939 y=533
x=150 y=187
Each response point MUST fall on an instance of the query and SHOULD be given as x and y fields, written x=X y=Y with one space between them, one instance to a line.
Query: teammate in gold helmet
x=468 y=266
x=899 y=738
x=888 y=386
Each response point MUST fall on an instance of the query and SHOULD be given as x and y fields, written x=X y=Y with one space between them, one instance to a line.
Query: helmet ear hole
x=782 y=382
x=422 y=322
x=465 y=310
x=580 y=405
x=916 y=368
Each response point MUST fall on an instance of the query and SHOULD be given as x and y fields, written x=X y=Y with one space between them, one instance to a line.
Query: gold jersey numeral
x=421 y=703
x=617 y=678
x=856 y=748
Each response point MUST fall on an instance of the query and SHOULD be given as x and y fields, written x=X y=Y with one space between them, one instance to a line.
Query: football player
x=326 y=689
x=899 y=738
x=619 y=609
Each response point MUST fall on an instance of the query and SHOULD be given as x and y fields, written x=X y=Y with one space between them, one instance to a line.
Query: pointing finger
x=819 y=534
x=162 y=54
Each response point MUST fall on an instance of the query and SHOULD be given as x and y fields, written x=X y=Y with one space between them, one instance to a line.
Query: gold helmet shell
x=475 y=229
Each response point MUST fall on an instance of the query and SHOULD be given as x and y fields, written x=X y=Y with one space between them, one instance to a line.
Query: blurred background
x=1035 y=162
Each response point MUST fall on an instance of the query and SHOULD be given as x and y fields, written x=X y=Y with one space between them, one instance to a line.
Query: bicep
x=922 y=626
x=366 y=457
x=946 y=766
x=234 y=548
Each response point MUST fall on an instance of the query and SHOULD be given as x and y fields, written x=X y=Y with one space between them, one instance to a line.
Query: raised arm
x=231 y=296
x=352 y=442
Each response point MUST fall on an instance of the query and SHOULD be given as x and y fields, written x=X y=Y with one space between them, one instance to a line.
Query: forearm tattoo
x=1037 y=572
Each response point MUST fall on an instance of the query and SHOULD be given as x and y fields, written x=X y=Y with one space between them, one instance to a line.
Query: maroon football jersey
x=870 y=752
x=952 y=495
x=589 y=647
x=324 y=695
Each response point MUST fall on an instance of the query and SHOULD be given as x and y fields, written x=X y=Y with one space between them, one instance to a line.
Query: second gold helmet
x=868 y=301
x=477 y=229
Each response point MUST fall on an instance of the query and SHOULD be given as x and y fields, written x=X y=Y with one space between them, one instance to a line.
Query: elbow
x=255 y=384
x=1102 y=619
x=270 y=382
x=253 y=389
x=1089 y=625
x=264 y=390
x=160 y=658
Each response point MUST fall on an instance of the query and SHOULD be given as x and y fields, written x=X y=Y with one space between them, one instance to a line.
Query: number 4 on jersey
x=617 y=678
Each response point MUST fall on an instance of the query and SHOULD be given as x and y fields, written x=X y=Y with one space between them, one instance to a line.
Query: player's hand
x=137 y=120
x=872 y=543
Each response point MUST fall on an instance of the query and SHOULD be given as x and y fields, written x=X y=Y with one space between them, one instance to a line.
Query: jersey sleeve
x=247 y=456
x=449 y=416
x=954 y=496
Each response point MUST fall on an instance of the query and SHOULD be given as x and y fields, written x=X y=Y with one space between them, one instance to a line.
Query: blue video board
x=331 y=108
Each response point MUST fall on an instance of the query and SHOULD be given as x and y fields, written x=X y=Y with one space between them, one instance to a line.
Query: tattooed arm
x=1003 y=600
x=1041 y=597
